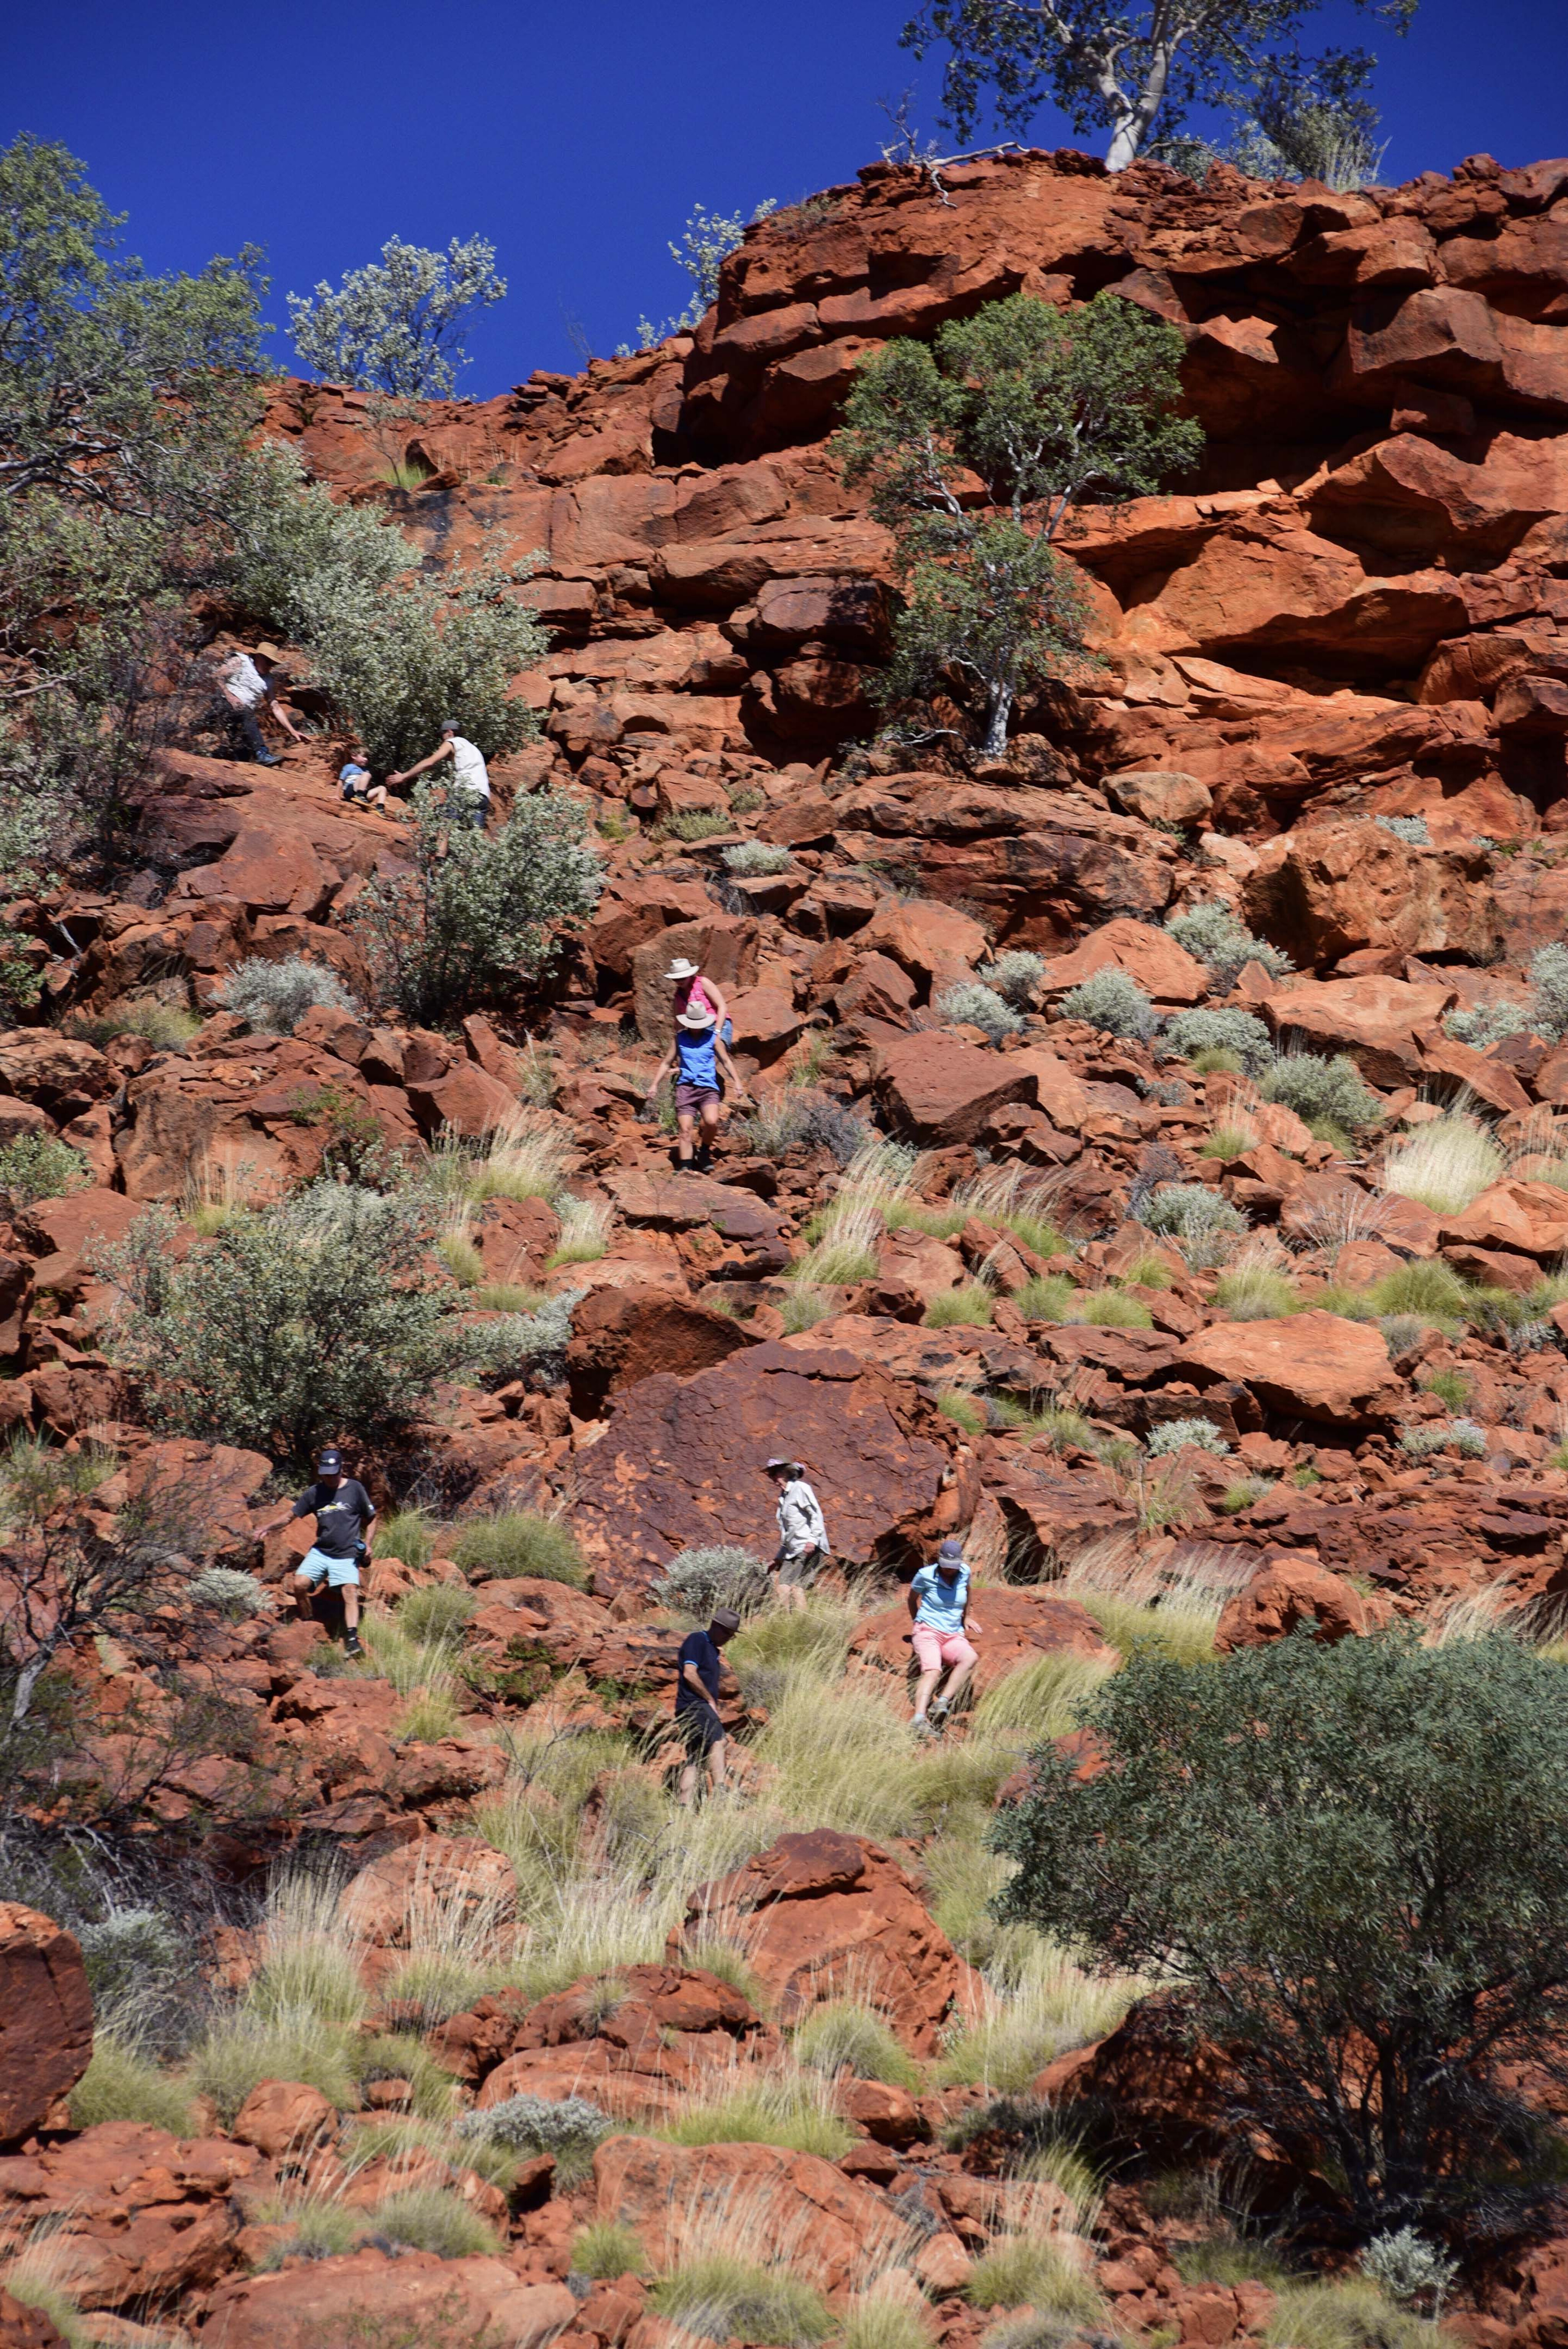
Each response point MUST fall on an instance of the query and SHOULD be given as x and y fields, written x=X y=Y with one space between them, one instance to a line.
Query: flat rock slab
x=680 y=1464
x=1304 y=1365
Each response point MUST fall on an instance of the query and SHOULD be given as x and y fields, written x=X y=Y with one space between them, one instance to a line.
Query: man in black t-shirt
x=345 y=1515
x=696 y=1696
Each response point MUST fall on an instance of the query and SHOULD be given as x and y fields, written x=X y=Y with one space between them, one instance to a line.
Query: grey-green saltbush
x=1176 y=1434
x=969 y=1004
x=273 y=997
x=126 y=1950
x=1315 y=1087
x=757 y=856
x=1460 y=1435
x=228 y=1592
x=1545 y=1010
x=698 y=1580
x=538 y=2123
x=1221 y=1030
x=1189 y=1211
x=1016 y=976
x=1410 y=829
x=1408 y=2268
x=40 y=1166
x=1113 y=1003
x=1213 y=934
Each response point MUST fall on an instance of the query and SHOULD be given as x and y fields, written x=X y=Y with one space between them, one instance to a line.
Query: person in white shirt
x=802 y=1535
x=246 y=681
x=471 y=777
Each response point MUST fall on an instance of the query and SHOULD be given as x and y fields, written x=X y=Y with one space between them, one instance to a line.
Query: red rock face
x=46 y=2019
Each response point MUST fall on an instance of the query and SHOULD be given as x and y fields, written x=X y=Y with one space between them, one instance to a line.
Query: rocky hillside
x=1155 y=1170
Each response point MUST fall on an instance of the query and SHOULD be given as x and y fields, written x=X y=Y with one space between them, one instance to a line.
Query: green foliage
x=396 y=324
x=1213 y=933
x=794 y=2112
x=1308 y=1841
x=398 y=657
x=962 y=1408
x=1189 y=1211
x=435 y=1614
x=1112 y=1002
x=696 y=1581
x=1015 y=976
x=706 y=241
x=1317 y=1088
x=724 y=2297
x=969 y=1307
x=434 y=2219
x=1349 y=2313
x=122 y=2084
x=879 y=2320
x=754 y=856
x=474 y=914
x=1039 y=2271
x=969 y=1004
x=273 y=997
x=840 y=2036
x=604 y=2249
x=518 y=1543
x=1048 y=408
x=1255 y=1293
x=229 y=1593
x=1242 y=1033
x=40 y=1166
x=291 y=1324
x=236 y=2055
x=1460 y=1435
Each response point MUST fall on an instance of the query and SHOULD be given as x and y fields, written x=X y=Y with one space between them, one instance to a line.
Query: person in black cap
x=939 y=1602
x=345 y=1515
x=696 y=1699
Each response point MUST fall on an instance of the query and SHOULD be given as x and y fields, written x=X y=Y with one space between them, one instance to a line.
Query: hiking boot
x=268 y=759
x=351 y=1646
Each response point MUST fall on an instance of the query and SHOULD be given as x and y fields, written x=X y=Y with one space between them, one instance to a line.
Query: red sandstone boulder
x=685 y=2201
x=935 y=1089
x=283 y=2116
x=24 y=2327
x=1312 y=1365
x=136 y=2215
x=1332 y=888
x=333 y=2303
x=1290 y=1591
x=1374 y=1019
x=45 y=2020
x=620 y=1335
x=817 y=1912
x=670 y=2033
x=681 y=1461
x=1152 y=957
x=455 y=1876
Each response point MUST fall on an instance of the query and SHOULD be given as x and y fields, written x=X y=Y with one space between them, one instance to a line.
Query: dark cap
x=951 y=1554
x=724 y=1618
x=329 y=1460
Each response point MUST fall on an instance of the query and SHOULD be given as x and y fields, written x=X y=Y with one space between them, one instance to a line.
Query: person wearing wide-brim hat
x=246 y=683
x=803 y=1549
x=696 y=993
x=700 y=1061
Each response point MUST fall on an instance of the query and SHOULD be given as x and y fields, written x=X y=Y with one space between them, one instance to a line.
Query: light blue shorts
x=337 y=1570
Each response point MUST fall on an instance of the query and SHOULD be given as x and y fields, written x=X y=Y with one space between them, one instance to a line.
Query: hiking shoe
x=939 y=1712
x=268 y=759
x=922 y=1727
x=351 y=1646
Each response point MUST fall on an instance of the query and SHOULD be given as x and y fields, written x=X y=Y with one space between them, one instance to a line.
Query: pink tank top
x=692 y=996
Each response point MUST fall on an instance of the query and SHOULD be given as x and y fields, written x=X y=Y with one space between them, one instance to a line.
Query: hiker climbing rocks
x=696 y=1701
x=696 y=993
x=803 y=1549
x=469 y=793
x=699 y=1059
x=246 y=681
x=356 y=788
x=344 y=1517
x=939 y=1602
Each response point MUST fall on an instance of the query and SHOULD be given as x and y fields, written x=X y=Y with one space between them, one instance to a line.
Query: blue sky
x=578 y=138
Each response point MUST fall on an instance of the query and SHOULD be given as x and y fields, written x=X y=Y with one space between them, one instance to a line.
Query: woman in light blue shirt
x=939 y=1602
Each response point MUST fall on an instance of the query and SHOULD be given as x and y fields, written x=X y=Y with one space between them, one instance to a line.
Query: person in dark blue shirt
x=699 y=1058
x=696 y=1700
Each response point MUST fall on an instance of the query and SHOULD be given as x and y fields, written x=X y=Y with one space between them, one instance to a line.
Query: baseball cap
x=329 y=1460
x=450 y=726
x=724 y=1618
x=696 y=1020
x=949 y=1553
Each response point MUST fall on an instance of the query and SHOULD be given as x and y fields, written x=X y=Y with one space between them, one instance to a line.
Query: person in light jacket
x=803 y=1549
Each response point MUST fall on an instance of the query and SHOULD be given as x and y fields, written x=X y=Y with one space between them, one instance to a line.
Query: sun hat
x=695 y=1019
x=266 y=652
x=779 y=1463
x=724 y=1618
x=681 y=969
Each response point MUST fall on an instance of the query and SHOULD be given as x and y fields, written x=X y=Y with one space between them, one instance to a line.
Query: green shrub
x=1428 y=1288
x=963 y=1408
x=1408 y=2268
x=570 y=2128
x=1350 y=2314
x=1445 y=1164
x=1213 y=934
x=695 y=824
x=1460 y=1435
x=437 y=1613
x=289 y=1324
x=969 y=1307
x=876 y=2319
x=1424 y=1924
x=237 y=2054
x=1015 y=976
x=722 y=2297
x=1239 y=1034
x=228 y=1593
x=407 y=1535
x=1109 y=1308
x=273 y=997
x=795 y=2114
x=121 y=2084
x=793 y=1117
x=1113 y=1003
x=1254 y=1293
x=1191 y=1211
x=840 y=2036
x=1175 y=1434
x=433 y=2219
x=969 y=1004
x=1317 y=1088
x=1046 y=1297
x=757 y=856
x=1039 y=2270
x=801 y=1310
x=604 y=2249
x=518 y=1543
x=471 y=914
x=696 y=1581
x=40 y=1166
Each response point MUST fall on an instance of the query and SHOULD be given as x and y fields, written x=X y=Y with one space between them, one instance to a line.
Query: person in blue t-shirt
x=939 y=1602
x=355 y=784
x=697 y=1675
x=700 y=1058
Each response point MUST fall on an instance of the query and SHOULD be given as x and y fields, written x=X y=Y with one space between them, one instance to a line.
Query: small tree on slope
x=1355 y=1861
x=1048 y=408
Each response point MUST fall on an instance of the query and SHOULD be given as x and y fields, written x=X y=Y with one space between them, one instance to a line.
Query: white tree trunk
x=998 y=710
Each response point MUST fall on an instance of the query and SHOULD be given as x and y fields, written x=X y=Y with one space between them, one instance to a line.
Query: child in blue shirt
x=939 y=1602
x=701 y=1061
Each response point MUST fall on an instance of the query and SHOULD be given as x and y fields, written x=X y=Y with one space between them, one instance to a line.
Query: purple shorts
x=690 y=1096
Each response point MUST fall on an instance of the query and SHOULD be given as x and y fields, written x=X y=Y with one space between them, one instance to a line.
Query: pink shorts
x=934 y=1649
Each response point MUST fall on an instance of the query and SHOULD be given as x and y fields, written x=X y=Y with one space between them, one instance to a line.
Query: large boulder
x=680 y=1464
x=336 y=2303
x=1314 y=1365
x=45 y=2020
x=133 y=2214
x=1330 y=889
x=658 y=2042
x=824 y=1914
x=1290 y=1591
x=621 y=1336
x=936 y=1089
x=689 y=2201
